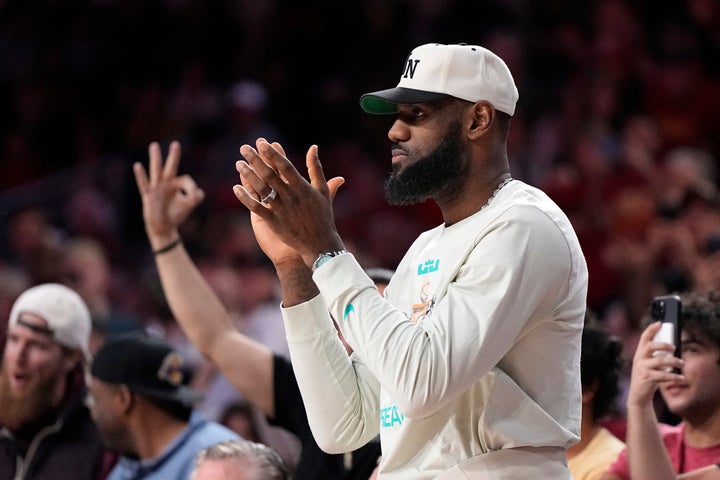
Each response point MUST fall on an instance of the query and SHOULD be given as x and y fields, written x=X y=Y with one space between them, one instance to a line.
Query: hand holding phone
x=667 y=309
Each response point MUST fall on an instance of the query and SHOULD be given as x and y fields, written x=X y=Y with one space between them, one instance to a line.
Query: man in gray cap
x=47 y=432
x=469 y=365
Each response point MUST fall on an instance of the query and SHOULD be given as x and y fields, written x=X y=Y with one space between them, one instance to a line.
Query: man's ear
x=125 y=398
x=482 y=115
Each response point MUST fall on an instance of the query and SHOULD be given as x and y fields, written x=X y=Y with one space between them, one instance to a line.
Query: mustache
x=398 y=146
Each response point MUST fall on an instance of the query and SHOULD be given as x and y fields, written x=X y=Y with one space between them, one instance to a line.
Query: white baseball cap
x=434 y=71
x=67 y=316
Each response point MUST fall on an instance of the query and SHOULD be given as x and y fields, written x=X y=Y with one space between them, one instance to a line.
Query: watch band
x=324 y=257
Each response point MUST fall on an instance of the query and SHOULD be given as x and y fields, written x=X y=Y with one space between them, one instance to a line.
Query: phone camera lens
x=658 y=310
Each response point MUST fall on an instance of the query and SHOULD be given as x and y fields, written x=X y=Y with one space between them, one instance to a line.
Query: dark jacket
x=67 y=447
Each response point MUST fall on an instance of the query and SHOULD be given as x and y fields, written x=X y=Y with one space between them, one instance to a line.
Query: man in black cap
x=144 y=411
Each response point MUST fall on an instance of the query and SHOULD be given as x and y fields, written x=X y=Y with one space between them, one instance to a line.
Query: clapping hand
x=292 y=217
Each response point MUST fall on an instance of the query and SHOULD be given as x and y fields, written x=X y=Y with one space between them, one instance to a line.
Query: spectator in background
x=144 y=412
x=85 y=267
x=245 y=115
x=264 y=378
x=47 y=432
x=658 y=451
x=33 y=243
x=663 y=239
x=240 y=460
x=239 y=417
x=13 y=282
x=600 y=367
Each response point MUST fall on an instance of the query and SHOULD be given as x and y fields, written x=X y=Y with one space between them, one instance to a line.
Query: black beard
x=440 y=174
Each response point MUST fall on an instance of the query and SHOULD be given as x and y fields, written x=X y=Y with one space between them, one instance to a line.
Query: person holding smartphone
x=658 y=451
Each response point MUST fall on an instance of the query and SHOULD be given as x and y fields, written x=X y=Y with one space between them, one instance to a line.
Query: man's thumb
x=334 y=185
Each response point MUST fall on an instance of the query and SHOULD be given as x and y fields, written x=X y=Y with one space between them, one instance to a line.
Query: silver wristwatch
x=324 y=257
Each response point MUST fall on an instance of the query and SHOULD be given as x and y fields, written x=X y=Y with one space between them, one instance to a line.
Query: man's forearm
x=296 y=283
x=194 y=304
x=646 y=453
x=245 y=363
x=340 y=394
x=711 y=472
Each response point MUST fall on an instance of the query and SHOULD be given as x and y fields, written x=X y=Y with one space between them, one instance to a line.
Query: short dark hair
x=600 y=365
x=503 y=121
x=700 y=315
x=177 y=410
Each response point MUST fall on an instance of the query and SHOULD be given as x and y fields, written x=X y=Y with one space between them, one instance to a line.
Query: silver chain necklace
x=499 y=187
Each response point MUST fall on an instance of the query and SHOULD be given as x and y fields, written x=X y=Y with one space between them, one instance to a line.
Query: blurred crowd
x=616 y=121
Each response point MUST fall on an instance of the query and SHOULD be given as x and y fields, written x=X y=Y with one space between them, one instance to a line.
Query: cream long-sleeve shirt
x=470 y=365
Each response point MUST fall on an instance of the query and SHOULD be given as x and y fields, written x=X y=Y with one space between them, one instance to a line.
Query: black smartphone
x=667 y=309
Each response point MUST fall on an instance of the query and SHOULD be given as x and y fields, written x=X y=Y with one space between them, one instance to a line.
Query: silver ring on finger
x=269 y=197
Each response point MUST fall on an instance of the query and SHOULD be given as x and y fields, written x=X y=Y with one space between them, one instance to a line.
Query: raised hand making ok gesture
x=167 y=198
